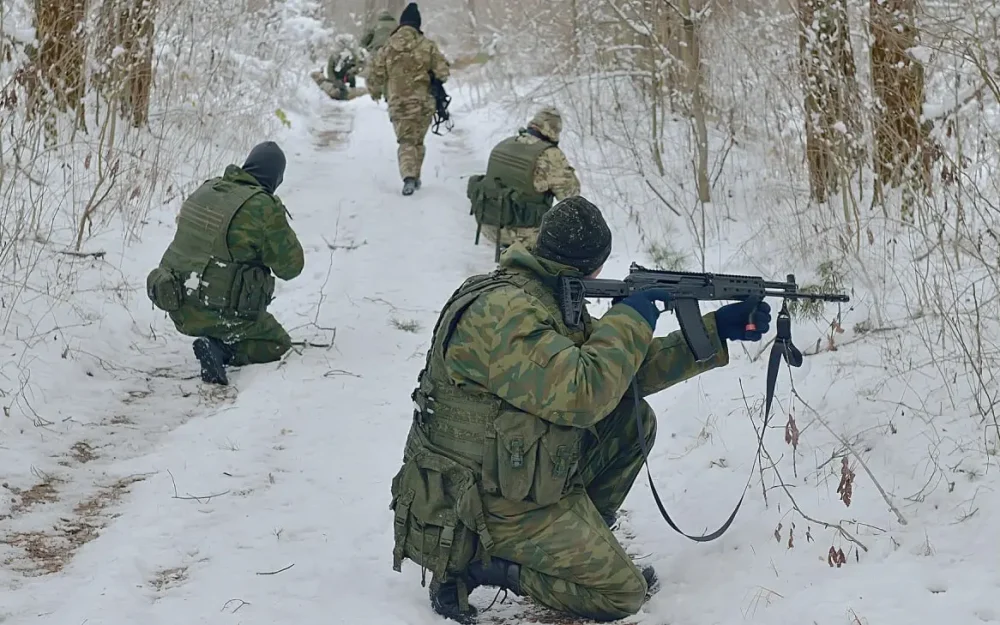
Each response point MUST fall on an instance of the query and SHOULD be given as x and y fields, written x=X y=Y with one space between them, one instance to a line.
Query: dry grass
x=41 y=493
x=48 y=552
x=82 y=452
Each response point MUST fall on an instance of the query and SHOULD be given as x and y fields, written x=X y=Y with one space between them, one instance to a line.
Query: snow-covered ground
x=131 y=493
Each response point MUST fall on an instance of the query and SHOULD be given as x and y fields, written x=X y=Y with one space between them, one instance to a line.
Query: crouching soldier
x=216 y=278
x=525 y=438
x=524 y=175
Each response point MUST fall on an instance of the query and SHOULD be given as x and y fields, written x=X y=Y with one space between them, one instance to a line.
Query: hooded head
x=548 y=121
x=410 y=16
x=266 y=163
x=574 y=233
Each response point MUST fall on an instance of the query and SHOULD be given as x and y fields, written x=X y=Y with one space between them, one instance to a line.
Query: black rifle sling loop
x=441 y=102
x=782 y=349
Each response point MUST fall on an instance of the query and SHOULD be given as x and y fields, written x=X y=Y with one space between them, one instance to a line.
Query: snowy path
x=267 y=503
x=304 y=451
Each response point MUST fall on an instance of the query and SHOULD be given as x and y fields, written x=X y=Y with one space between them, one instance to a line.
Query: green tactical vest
x=465 y=442
x=518 y=456
x=505 y=196
x=200 y=250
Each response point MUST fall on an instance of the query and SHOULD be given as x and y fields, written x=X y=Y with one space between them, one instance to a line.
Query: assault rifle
x=441 y=102
x=687 y=289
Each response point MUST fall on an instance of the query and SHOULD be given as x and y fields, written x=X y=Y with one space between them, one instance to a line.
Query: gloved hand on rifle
x=743 y=321
x=644 y=303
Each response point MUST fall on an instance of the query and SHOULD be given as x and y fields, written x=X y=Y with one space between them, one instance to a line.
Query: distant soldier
x=526 y=173
x=402 y=72
x=375 y=38
x=216 y=278
x=342 y=68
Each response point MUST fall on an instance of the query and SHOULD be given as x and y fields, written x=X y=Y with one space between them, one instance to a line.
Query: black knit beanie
x=574 y=233
x=410 y=16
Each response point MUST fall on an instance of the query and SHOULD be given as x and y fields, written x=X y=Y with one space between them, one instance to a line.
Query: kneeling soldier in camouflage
x=216 y=278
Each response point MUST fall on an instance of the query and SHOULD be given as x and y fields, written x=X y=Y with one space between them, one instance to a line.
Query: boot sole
x=212 y=369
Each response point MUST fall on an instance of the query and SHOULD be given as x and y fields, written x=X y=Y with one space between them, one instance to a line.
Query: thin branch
x=278 y=571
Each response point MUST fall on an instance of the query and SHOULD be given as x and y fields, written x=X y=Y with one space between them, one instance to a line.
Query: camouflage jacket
x=512 y=393
x=402 y=68
x=553 y=173
x=508 y=343
x=260 y=232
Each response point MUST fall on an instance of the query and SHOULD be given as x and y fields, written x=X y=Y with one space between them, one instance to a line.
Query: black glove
x=735 y=321
x=643 y=303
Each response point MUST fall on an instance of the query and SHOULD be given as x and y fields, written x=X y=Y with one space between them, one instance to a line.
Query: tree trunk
x=125 y=46
x=694 y=86
x=831 y=95
x=898 y=83
x=61 y=49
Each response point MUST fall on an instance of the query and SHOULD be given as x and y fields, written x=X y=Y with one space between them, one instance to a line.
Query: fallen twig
x=795 y=504
x=850 y=448
x=278 y=571
x=199 y=499
x=226 y=605
x=98 y=254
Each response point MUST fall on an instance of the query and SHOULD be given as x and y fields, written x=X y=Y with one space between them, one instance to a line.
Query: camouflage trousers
x=253 y=341
x=411 y=119
x=509 y=236
x=570 y=561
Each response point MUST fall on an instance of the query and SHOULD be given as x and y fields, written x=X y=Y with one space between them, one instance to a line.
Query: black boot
x=213 y=355
x=610 y=519
x=500 y=573
x=652 y=580
x=417 y=182
x=444 y=601
x=409 y=186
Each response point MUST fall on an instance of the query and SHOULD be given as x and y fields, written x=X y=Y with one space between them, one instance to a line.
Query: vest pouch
x=473 y=191
x=491 y=203
x=525 y=213
x=517 y=437
x=558 y=461
x=216 y=288
x=434 y=500
x=164 y=289
x=252 y=291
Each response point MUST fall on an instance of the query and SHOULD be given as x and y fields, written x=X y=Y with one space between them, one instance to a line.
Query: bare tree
x=61 y=49
x=126 y=30
x=898 y=82
x=831 y=94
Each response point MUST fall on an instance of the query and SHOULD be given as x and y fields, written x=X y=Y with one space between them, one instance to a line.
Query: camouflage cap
x=548 y=121
x=574 y=233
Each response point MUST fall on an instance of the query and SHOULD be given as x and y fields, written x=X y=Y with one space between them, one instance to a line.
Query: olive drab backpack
x=505 y=196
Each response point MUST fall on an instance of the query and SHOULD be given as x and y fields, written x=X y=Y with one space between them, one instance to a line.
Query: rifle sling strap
x=782 y=349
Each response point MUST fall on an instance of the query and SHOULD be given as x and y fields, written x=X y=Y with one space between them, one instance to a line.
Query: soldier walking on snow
x=402 y=72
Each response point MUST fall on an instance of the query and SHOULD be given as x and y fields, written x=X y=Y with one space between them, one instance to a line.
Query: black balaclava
x=266 y=163
x=574 y=233
x=410 y=16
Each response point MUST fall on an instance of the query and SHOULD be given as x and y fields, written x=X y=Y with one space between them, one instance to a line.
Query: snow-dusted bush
x=222 y=75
